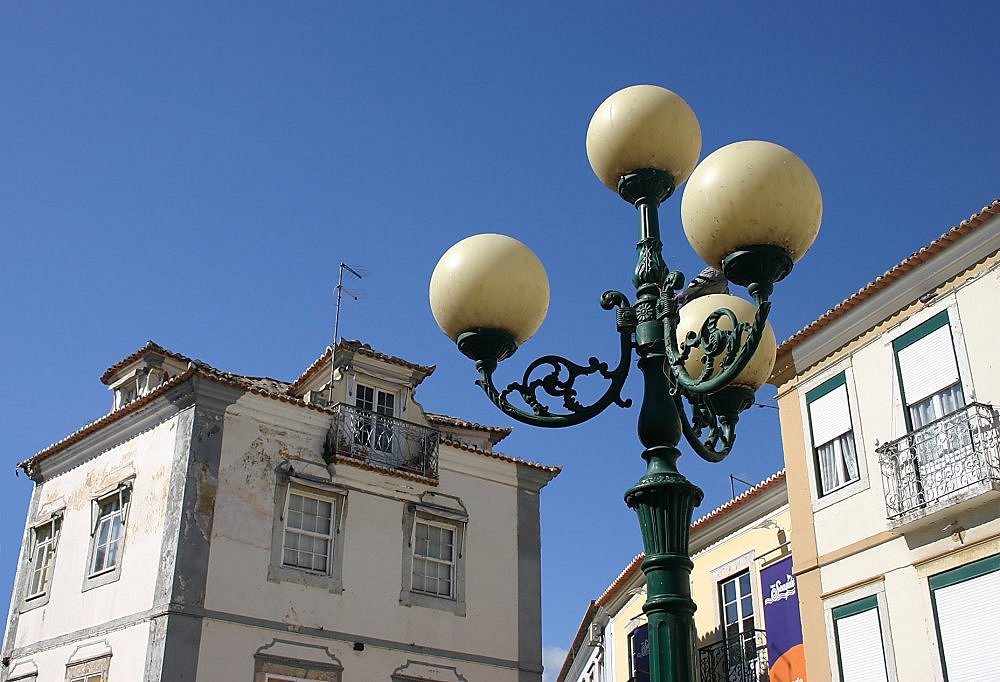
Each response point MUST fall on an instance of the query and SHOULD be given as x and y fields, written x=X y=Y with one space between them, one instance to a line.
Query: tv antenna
x=341 y=291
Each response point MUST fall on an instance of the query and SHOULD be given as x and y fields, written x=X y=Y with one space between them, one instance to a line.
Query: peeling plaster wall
x=148 y=457
x=259 y=436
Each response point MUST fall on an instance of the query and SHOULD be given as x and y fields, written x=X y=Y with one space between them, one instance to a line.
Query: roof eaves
x=581 y=632
x=499 y=432
x=132 y=357
x=770 y=482
x=554 y=470
x=953 y=235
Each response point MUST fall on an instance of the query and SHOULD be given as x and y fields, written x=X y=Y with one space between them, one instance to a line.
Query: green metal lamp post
x=751 y=209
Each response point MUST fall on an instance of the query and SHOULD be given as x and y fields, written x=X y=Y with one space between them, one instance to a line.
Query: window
x=966 y=603
x=109 y=514
x=43 y=556
x=928 y=372
x=109 y=531
x=858 y=636
x=309 y=527
x=375 y=430
x=740 y=642
x=638 y=654
x=434 y=558
x=834 y=451
x=95 y=677
x=306 y=539
x=433 y=563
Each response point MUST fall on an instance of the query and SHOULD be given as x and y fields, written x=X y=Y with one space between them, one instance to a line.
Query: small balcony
x=384 y=442
x=950 y=462
x=739 y=658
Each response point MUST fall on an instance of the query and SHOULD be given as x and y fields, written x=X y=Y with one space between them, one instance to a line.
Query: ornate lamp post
x=751 y=209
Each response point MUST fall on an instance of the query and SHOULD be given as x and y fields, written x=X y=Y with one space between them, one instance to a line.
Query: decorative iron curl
x=560 y=381
x=718 y=442
x=735 y=347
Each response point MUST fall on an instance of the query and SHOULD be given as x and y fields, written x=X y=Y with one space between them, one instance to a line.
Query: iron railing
x=384 y=441
x=741 y=657
x=932 y=466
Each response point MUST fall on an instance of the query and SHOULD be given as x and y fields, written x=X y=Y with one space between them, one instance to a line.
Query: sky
x=193 y=173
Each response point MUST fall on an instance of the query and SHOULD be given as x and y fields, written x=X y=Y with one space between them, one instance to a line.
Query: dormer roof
x=344 y=350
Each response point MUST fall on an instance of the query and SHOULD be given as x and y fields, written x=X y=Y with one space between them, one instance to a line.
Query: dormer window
x=375 y=431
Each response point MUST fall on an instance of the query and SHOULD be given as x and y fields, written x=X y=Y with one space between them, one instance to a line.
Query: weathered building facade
x=221 y=527
x=892 y=450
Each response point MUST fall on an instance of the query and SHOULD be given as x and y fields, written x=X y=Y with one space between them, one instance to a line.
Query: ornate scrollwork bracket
x=560 y=381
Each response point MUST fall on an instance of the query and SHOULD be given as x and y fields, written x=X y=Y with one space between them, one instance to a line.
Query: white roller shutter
x=968 y=616
x=830 y=416
x=928 y=365
x=859 y=641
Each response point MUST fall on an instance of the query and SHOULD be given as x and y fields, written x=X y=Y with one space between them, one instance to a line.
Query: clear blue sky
x=193 y=173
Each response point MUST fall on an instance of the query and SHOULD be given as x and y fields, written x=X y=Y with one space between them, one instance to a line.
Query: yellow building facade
x=732 y=547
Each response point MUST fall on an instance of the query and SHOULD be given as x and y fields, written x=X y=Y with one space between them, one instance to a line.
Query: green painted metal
x=663 y=498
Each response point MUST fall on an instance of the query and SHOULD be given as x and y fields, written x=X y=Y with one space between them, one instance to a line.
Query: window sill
x=432 y=601
x=108 y=575
x=35 y=601
x=301 y=576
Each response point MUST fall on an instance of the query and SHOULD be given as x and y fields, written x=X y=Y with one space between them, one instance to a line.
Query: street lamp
x=750 y=210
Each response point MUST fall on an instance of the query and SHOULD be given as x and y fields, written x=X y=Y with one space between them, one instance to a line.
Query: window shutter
x=968 y=617
x=95 y=514
x=830 y=416
x=859 y=643
x=928 y=365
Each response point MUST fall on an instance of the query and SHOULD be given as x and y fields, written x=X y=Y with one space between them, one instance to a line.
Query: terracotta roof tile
x=554 y=470
x=150 y=346
x=446 y=420
x=953 y=235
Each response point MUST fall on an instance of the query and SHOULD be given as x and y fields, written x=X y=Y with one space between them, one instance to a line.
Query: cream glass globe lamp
x=643 y=127
x=752 y=209
x=489 y=290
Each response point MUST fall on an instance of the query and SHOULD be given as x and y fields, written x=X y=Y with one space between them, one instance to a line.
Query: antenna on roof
x=341 y=290
x=732 y=484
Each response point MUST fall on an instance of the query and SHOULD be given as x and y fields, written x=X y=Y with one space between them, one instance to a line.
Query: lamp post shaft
x=664 y=500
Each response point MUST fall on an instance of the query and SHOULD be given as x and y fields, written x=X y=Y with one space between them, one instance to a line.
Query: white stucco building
x=221 y=527
x=891 y=435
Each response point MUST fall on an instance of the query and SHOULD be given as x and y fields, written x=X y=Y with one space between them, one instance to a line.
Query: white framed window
x=310 y=524
x=966 y=605
x=95 y=677
x=306 y=538
x=857 y=628
x=375 y=424
x=927 y=366
x=434 y=558
x=109 y=531
x=43 y=556
x=834 y=451
x=108 y=522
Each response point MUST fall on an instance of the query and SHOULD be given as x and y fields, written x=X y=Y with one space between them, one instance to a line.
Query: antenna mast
x=340 y=294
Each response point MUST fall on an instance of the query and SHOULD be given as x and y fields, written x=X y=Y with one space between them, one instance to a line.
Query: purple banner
x=786 y=659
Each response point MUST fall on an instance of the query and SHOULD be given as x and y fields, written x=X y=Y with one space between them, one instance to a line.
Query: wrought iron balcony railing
x=738 y=658
x=942 y=463
x=384 y=441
